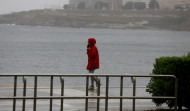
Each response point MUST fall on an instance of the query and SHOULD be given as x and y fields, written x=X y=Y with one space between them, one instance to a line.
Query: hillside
x=160 y=19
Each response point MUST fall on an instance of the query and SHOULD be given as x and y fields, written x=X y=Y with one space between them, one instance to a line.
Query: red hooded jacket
x=93 y=56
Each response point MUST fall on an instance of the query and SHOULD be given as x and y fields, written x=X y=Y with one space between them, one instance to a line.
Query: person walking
x=93 y=60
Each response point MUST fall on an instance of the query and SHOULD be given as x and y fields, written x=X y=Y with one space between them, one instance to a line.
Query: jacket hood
x=92 y=41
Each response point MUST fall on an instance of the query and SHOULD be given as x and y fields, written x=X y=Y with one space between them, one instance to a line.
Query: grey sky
x=8 y=6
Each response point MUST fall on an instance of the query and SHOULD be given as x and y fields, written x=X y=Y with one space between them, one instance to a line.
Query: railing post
x=14 y=93
x=86 y=105
x=107 y=91
x=24 y=93
x=98 y=94
x=34 y=98
x=176 y=86
x=62 y=92
x=51 y=93
x=121 y=93
x=133 y=79
x=35 y=91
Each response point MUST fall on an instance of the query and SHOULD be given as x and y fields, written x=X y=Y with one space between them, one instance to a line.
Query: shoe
x=91 y=88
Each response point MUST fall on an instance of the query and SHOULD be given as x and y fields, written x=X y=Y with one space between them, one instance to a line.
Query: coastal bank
x=118 y=19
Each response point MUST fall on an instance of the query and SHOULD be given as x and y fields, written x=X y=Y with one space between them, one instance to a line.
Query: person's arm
x=88 y=46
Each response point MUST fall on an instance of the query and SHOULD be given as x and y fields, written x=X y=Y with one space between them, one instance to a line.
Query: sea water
x=36 y=50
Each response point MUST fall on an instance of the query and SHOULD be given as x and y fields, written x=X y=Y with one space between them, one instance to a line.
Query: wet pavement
x=79 y=104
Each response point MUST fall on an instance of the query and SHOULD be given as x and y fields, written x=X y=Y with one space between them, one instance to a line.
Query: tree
x=178 y=7
x=139 y=5
x=129 y=5
x=100 y=5
x=153 y=4
x=66 y=6
x=81 y=5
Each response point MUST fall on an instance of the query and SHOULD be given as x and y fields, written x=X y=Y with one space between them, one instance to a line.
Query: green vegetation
x=178 y=66
x=153 y=4
x=129 y=5
x=134 y=5
x=139 y=5
x=100 y=5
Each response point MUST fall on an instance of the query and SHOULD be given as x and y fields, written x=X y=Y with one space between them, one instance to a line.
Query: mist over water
x=10 y=6
x=27 y=49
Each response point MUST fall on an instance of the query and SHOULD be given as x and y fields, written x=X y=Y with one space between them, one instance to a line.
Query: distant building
x=117 y=4
x=114 y=4
x=171 y=4
x=145 y=1
x=182 y=3
x=166 y=4
x=90 y=4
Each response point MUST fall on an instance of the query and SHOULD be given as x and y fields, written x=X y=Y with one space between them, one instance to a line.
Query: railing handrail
x=106 y=97
x=90 y=97
x=101 y=75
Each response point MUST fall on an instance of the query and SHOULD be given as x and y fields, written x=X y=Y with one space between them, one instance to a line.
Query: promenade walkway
x=78 y=105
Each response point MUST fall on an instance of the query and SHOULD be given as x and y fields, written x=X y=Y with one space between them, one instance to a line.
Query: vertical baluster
x=35 y=92
x=86 y=105
x=121 y=93
x=51 y=93
x=24 y=93
x=176 y=86
x=107 y=88
x=98 y=94
x=134 y=91
x=14 y=93
x=62 y=92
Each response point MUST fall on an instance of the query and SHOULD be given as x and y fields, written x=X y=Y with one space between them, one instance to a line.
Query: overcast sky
x=8 y=6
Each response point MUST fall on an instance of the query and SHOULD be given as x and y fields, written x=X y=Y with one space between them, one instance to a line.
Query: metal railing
x=98 y=97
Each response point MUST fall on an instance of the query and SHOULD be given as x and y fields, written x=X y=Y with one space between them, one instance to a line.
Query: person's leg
x=92 y=79
x=96 y=79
